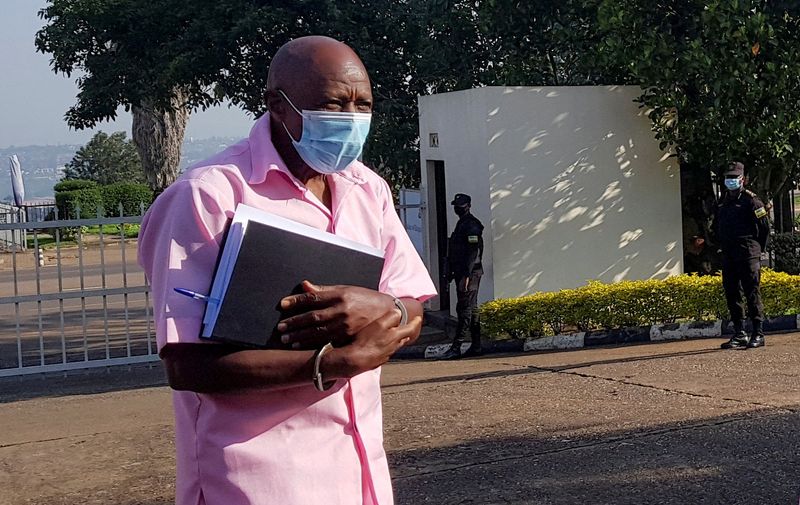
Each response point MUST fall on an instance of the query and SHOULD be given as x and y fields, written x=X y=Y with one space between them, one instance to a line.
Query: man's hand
x=371 y=347
x=330 y=314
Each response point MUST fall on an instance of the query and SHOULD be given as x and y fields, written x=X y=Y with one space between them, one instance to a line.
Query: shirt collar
x=265 y=158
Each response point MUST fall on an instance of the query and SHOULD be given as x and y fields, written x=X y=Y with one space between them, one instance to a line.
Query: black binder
x=274 y=256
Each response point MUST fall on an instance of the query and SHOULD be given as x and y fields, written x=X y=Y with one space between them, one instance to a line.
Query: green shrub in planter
x=132 y=197
x=599 y=306
x=88 y=200
x=73 y=185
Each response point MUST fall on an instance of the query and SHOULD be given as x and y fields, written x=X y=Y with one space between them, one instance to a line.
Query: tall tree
x=721 y=80
x=106 y=159
x=546 y=43
x=163 y=59
x=409 y=47
x=114 y=48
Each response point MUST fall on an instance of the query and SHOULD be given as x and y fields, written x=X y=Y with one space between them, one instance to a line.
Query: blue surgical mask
x=733 y=184
x=330 y=141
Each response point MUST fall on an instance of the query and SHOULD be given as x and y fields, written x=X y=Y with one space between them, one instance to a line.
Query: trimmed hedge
x=130 y=196
x=73 y=185
x=599 y=306
x=86 y=199
x=89 y=197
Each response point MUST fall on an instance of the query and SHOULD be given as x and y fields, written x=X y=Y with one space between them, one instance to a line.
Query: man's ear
x=275 y=103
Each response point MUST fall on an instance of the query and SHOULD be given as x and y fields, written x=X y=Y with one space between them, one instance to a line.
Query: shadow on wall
x=577 y=193
x=745 y=459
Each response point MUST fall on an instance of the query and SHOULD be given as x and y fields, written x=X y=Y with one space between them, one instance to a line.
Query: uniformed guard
x=464 y=256
x=742 y=231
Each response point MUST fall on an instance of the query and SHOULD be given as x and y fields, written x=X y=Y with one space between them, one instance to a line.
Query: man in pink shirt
x=251 y=425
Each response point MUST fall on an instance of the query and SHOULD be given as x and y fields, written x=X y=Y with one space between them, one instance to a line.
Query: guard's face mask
x=733 y=184
x=460 y=210
x=330 y=141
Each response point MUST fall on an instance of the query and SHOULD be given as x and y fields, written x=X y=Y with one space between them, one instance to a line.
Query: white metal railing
x=70 y=304
x=33 y=212
x=10 y=239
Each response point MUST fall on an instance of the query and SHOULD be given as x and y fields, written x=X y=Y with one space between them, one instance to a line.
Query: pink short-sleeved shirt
x=292 y=446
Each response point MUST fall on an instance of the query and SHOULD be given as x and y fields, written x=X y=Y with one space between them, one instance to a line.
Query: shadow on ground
x=746 y=459
x=82 y=382
x=530 y=370
x=128 y=377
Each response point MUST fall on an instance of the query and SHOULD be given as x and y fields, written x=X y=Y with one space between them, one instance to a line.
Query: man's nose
x=349 y=107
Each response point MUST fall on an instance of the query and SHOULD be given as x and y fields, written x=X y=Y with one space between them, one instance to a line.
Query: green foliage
x=220 y=50
x=545 y=43
x=77 y=203
x=721 y=79
x=73 y=184
x=106 y=160
x=630 y=303
x=786 y=247
x=105 y=199
x=131 y=197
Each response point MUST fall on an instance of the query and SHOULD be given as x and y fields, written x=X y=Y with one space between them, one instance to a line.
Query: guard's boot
x=475 y=348
x=757 y=338
x=453 y=353
x=756 y=341
x=739 y=340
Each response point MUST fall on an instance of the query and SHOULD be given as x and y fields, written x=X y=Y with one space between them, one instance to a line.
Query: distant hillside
x=42 y=166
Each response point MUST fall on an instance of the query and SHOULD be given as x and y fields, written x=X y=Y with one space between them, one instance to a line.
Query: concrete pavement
x=670 y=423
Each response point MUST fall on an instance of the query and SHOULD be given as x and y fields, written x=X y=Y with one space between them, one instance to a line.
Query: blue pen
x=195 y=295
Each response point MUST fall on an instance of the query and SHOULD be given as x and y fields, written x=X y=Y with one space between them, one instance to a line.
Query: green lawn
x=48 y=241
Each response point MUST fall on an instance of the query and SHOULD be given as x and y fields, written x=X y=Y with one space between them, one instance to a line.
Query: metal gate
x=72 y=296
x=410 y=209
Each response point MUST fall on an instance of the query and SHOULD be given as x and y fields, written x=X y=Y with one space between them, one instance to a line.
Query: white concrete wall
x=569 y=181
x=460 y=121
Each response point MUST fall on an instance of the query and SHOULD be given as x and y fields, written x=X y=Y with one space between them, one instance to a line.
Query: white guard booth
x=568 y=181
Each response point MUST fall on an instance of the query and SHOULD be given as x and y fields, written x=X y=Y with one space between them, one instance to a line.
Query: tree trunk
x=158 y=136
x=782 y=210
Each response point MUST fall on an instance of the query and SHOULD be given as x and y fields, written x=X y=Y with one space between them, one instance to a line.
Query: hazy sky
x=33 y=99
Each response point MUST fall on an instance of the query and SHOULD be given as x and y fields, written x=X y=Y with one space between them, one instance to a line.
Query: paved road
x=73 y=329
x=672 y=423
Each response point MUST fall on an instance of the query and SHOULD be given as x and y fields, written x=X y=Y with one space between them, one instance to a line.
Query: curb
x=635 y=335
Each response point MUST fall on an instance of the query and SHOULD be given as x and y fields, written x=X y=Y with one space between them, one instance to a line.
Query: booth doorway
x=437 y=195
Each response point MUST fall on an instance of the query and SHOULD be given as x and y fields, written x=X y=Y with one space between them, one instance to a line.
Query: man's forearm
x=214 y=368
x=220 y=368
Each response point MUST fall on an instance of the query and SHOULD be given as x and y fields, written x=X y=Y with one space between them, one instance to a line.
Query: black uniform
x=742 y=231
x=464 y=255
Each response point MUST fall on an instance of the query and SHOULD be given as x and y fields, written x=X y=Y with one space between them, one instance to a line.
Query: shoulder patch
x=761 y=212
x=472 y=239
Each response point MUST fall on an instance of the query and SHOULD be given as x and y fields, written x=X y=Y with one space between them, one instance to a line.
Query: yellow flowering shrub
x=598 y=306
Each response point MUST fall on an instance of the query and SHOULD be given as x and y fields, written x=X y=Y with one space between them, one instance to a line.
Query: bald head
x=313 y=58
